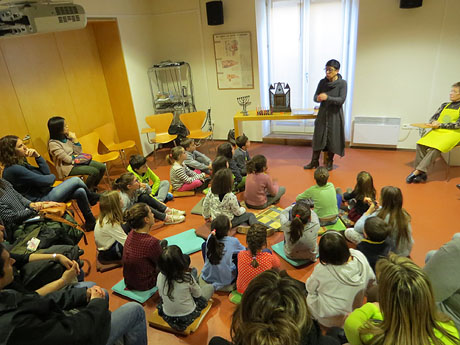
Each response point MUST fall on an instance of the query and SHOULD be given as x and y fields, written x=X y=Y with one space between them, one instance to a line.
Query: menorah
x=243 y=101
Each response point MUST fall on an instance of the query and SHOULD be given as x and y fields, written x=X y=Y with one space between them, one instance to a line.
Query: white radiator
x=378 y=131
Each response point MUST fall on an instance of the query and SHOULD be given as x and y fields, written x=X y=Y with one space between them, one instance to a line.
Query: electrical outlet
x=407 y=126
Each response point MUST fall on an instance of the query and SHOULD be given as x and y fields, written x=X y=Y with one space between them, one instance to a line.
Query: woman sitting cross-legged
x=63 y=148
x=406 y=312
x=36 y=183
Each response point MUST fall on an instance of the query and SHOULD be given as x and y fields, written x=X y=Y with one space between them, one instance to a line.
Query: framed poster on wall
x=233 y=61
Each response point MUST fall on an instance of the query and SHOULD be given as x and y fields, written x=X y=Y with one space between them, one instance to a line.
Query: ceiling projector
x=25 y=18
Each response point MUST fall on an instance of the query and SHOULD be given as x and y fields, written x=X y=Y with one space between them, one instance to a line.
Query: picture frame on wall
x=233 y=57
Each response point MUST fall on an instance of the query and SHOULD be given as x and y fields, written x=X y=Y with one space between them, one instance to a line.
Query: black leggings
x=158 y=208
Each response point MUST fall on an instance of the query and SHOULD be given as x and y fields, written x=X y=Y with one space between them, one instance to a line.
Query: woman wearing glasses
x=329 y=135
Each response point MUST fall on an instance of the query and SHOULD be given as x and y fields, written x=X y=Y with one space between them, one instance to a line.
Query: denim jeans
x=128 y=324
x=72 y=188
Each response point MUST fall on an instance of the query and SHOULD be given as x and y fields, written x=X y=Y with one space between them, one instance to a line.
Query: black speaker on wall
x=410 y=3
x=215 y=12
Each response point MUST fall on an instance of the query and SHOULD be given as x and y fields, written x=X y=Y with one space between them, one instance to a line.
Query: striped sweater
x=180 y=174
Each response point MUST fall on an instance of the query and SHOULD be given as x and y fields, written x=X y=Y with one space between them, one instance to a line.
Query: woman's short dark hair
x=136 y=214
x=333 y=249
x=222 y=182
x=333 y=63
x=56 y=127
x=8 y=155
x=225 y=150
x=136 y=161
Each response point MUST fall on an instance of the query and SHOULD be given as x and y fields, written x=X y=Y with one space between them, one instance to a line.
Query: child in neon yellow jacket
x=154 y=186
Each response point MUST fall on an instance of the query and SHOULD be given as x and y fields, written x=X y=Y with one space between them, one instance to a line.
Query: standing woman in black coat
x=329 y=134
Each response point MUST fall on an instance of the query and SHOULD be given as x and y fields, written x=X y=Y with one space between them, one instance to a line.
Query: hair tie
x=213 y=232
x=297 y=215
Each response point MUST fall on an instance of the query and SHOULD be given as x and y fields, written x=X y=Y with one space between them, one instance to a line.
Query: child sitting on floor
x=226 y=150
x=182 y=178
x=141 y=250
x=158 y=189
x=219 y=163
x=108 y=233
x=338 y=285
x=195 y=160
x=182 y=299
x=256 y=259
x=219 y=267
x=323 y=196
x=260 y=191
x=241 y=154
x=300 y=232
x=131 y=192
x=364 y=188
x=221 y=200
x=374 y=245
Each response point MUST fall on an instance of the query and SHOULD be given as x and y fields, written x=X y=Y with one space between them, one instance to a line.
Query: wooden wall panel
x=10 y=111
x=113 y=64
x=83 y=70
x=39 y=80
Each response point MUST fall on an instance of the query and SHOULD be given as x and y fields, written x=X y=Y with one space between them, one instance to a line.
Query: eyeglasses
x=330 y=69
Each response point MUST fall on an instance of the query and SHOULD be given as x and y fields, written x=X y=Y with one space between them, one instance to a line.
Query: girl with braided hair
x=256 y=259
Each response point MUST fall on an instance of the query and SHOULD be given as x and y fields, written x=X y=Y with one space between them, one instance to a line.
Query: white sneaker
x=175 y=212
x=174 y=219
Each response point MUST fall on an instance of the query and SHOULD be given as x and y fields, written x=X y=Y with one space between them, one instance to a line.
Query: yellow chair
x=90 y=143
x=159 y=124
x=194 y=122
x=107 y=136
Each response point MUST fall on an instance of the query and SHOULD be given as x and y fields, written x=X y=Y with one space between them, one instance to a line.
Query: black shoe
x=329 y=165
x=93 y=198
x=410 y=178
x=420 y=177
x=89 y=226
x=205 y=185
x=81 y=252
x=311 y=165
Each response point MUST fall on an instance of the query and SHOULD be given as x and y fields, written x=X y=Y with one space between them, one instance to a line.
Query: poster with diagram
x=233 y=61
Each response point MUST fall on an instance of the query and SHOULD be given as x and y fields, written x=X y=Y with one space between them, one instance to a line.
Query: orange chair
x=159 y=124
x=90 y=143
x=107 y=136
x=194 y=123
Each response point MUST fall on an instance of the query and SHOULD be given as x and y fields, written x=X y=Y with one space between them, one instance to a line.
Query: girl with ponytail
x=256 y=259
x=273 y=311
x=300 y=233
x=219 y=268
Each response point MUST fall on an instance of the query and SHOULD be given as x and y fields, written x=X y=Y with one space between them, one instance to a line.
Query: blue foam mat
x=138 y=296
x=278 y=248
x=187 y=241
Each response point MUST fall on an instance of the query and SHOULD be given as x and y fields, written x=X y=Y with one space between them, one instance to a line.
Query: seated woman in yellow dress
x=443 y=137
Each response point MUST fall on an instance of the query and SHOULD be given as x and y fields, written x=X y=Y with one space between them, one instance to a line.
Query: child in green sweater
x=158 y=189
x=324 y=197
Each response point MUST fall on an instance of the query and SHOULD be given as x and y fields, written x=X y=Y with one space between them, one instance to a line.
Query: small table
x=252 y=116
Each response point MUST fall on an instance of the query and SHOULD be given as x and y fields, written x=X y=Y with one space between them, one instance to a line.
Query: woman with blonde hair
x=392 y=212
x=273 y=311
x=406 y=312
x=108 y=233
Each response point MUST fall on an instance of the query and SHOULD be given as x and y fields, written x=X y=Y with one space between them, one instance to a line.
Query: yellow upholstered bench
x=157 y=321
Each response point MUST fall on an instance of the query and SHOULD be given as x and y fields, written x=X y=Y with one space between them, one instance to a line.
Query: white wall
x=156 y=30
x=406 y=60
